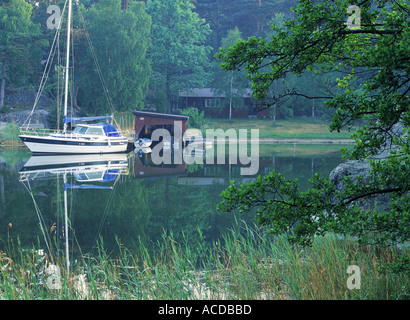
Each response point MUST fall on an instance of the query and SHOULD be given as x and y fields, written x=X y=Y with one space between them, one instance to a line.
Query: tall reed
x=9 y=135
x=244 y=264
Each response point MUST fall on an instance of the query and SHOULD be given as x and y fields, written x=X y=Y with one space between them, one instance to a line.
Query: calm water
x=130 y=199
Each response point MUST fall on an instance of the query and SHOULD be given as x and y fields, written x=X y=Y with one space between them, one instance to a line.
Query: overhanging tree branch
x=372 y=31
x=371 y=193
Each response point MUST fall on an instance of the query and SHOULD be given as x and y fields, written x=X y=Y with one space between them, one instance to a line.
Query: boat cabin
x=98 y=129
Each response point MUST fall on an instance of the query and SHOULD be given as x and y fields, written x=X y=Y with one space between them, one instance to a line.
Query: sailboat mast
x=67 y=63
x=66 y=224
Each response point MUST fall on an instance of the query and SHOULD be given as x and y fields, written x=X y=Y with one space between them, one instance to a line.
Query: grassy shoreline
x=245 y=264
x=297 y=130
x=9 y=136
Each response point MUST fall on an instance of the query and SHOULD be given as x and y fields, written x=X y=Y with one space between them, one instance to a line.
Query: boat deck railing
x=33 y=131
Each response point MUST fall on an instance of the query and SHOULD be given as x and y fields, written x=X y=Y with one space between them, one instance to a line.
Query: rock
x=39 y=118
x=355 y=168
x=19 y=97
x=23 y=101
x=351 y=168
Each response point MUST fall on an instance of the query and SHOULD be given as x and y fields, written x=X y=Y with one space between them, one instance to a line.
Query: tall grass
x=244 y=264
x=9 y=135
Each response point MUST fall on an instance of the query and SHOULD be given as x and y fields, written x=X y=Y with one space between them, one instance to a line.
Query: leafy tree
x=197 y=118
x=120 y=39
x=178 y=54
x=289 y=93
x=233 y=84
x=251 y=17
x=375 y=87
x=18 y=41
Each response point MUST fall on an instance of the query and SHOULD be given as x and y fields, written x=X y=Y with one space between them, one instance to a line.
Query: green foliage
x=16 y=29
x=19 y=45
x=375 y=90
x=233 y=84
x=120 y=39
x=9 y=134
x=178 y=52
x=249 y=16
x=197 y=119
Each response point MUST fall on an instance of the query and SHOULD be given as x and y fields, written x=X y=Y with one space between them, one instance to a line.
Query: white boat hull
x=62 y=145
x=44 y=165
x=142 y=143
x=46 y=161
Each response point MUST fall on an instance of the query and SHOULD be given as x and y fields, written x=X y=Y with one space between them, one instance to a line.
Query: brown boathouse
x=146 y=122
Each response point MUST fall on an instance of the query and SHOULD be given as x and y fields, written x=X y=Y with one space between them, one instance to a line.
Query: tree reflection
x=145 y=204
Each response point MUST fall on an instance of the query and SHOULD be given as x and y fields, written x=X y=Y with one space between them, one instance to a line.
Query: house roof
x=210 y=93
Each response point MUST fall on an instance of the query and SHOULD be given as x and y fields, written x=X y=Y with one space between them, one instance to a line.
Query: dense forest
x=146 y=51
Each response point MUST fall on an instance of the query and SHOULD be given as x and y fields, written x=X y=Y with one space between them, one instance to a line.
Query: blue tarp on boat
x=68 y=120
x=109 y=129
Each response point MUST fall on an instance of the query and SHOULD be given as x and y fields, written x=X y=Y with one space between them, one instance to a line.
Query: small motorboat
x=142 y=143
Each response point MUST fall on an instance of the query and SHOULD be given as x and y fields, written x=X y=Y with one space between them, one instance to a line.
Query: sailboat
x=87 y=138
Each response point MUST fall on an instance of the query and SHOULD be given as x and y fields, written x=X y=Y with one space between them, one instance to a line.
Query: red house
x=215 y=104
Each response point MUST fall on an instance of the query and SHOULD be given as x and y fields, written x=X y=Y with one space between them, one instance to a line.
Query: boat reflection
x=92 y=167
x=78 y=169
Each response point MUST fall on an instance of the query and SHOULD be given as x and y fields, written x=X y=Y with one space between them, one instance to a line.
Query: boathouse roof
x=160 y=115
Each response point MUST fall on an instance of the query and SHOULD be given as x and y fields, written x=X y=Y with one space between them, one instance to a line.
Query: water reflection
x=99 y=167
x=80 y=169
x=133 y=200
x=145 y=168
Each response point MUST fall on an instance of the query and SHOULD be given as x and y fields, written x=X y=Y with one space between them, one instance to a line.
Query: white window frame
x=212 y=103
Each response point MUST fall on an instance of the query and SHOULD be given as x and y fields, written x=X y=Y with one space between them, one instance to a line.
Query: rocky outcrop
x=39 y=118
x=355 y=168
x=20 y=103
x=19 y=97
